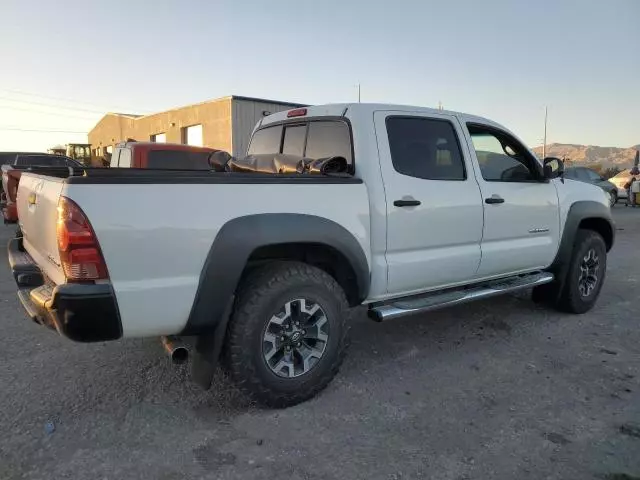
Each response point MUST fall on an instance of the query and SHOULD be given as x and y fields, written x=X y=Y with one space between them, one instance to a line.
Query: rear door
x=521 y=214
x=38 y=213
x=434 y=207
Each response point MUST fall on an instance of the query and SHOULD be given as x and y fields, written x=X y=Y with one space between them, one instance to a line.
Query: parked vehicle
x=583 y=174
x=80 y=152
x=622 y=179
x=10 y=157
x=440 y=208
x=170 y=156
x=11 y=173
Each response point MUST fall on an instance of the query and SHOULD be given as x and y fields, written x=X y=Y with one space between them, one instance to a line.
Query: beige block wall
x=215 y=118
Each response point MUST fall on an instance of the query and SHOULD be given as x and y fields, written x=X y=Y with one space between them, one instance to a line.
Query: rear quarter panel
x=155 y=238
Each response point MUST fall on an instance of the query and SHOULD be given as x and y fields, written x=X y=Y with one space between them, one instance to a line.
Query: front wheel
x=288 y=334
x=586 y=273
x=578 y=291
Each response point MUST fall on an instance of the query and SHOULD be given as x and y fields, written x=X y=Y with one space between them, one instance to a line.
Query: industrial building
x=225 y=124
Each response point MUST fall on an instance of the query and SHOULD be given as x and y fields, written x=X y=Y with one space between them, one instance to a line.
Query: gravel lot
x=501 y=389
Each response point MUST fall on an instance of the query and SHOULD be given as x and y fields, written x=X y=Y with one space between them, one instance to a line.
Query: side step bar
x=432 y=301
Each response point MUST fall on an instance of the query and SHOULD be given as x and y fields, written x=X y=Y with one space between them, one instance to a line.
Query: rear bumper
x=80 y=312
x=10 y=213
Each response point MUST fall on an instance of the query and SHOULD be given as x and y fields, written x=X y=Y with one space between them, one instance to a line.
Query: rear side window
x=65 y=162
x=42 y=160
x=266 y=140
x=570 y=173
x=294 y=137
x=591 y=175
x=178 y=160
x=329 y=139
x=425 y=148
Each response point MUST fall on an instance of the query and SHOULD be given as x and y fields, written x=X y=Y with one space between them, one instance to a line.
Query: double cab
x=262 y=271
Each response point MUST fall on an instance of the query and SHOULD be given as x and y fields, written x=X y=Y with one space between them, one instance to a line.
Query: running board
x=432 y=301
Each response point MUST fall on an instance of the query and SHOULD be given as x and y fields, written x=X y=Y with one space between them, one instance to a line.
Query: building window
x=159 y=138
x=192 y=135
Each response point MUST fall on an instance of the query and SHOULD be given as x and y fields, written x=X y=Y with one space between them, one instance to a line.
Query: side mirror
x=553 y=168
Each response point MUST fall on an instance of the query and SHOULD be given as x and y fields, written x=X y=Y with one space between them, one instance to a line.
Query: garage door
x=193 y=135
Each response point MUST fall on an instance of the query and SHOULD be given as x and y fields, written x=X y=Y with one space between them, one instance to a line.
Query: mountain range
x=591 y=154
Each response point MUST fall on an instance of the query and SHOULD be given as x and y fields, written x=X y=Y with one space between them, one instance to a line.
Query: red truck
x=12 y=170
x=165 y=156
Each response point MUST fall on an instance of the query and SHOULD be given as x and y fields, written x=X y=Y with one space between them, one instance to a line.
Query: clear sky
x=503 y=59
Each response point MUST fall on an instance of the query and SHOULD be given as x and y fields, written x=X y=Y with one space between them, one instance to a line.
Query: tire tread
x=254 y=292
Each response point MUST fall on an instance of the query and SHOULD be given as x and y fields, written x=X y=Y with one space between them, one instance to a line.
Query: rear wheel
x=288 y=334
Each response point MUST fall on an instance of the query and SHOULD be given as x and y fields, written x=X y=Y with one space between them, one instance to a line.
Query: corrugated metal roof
x=130 y=115
x=265 y=100
x=232 y=97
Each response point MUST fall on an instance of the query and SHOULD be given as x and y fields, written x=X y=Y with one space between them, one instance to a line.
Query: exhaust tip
x=180 y=355
x=177 y=351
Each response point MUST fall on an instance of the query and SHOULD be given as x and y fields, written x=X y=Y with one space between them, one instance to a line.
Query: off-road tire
x=570 y=299
x=259 y=297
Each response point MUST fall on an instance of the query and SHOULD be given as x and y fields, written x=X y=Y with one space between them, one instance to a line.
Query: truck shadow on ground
x=373 y=344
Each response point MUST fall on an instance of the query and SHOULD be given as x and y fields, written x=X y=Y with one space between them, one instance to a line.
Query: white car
x=620 y=180
x=438 y=208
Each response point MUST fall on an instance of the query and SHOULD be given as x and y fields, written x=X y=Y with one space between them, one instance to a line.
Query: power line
x=43 y=112
x=18 y=129
x=101 y=112
x=21 y=92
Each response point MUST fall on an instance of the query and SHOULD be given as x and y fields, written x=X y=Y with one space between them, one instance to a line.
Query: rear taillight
x=80 y=253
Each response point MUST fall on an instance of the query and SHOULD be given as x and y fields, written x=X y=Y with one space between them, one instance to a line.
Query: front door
x=521 y=215
x=433 y=203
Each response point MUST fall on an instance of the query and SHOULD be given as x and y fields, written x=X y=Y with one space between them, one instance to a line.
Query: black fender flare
x=240 y=237
x=587 y=213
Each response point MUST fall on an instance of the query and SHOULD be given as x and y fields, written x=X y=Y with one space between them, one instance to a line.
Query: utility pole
x=358 y=93
x=544 y=144
x=440 y=105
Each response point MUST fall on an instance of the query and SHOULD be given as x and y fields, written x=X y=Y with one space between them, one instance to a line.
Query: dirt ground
x=501 y=389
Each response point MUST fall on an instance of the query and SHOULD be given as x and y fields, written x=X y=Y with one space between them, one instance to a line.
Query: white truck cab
x=438 y=208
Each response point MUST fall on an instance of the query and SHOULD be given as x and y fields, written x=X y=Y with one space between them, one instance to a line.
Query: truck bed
x=156 y=227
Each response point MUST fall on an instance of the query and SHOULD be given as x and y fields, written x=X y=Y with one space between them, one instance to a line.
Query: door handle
x=493 y=199
x=407 y=202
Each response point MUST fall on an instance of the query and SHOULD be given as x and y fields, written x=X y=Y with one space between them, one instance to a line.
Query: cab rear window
x=312 y=139
x=266 y=140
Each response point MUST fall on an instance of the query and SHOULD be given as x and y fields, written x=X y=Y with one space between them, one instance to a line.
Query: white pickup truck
x=439 y=208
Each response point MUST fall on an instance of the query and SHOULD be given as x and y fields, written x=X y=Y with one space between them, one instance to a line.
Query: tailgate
x=38 y=213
